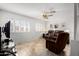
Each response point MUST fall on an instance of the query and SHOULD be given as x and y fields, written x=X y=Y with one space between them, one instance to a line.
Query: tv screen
x=7 y=29
x=0 y=38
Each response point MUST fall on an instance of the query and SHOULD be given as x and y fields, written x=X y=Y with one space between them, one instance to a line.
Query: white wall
x=21 y=36
x=64 y=17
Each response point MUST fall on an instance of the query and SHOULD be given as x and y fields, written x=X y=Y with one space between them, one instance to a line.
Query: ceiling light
x=47 y=13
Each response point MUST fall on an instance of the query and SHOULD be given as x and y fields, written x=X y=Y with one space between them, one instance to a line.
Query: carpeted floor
x=38 y=48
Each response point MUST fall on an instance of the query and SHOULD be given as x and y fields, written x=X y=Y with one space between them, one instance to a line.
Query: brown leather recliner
x=56 y=41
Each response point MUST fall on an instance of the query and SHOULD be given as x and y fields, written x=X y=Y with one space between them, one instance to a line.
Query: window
x=20 y=26
x=27 y=27
x=39 y=27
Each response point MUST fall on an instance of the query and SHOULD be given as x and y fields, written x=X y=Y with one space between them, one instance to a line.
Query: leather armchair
x=56 y=40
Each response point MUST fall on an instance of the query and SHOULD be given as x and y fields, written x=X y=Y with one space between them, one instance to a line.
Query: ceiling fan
x=48 y=13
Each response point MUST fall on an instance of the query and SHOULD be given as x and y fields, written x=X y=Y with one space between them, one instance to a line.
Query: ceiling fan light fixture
x=48 y=13
x=45 y=16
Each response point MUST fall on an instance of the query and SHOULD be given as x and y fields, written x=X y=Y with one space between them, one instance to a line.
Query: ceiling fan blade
x=52 y=11
x=50 y=15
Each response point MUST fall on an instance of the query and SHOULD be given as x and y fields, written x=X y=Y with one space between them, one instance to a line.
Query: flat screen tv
x=6 y=29
x=0 y=38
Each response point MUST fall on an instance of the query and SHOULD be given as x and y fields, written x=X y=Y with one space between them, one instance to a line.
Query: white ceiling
x=35 y=9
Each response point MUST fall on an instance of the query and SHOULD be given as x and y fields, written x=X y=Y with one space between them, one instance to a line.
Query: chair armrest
x=54 y=41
